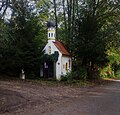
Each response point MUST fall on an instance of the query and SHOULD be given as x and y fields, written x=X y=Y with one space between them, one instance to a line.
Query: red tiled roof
x=61 y=48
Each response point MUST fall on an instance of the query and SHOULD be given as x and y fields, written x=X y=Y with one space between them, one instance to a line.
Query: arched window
x=66 y=66
x=49 y=49
x=48 y=34
x=51 y=34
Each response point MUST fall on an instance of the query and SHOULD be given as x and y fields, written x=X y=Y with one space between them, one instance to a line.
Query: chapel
x=62 y=64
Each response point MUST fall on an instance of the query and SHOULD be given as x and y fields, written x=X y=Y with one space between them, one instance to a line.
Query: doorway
x=48 y=69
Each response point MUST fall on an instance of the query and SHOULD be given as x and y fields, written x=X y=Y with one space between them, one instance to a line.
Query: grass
x=54 y=83
x=73 y=83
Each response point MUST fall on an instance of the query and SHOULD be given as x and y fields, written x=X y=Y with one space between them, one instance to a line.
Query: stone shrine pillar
x=22 y=74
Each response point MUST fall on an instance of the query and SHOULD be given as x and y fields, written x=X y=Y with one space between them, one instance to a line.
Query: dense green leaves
x=95 y=31
x=24 y=40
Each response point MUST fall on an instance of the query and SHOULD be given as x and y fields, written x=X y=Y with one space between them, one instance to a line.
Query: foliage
x=94 y=31
x=113 y=54
x=24 y=42
x=117 y=73
x=53 y=57
x=64 y=78
x=107 y=72
x=79 y=74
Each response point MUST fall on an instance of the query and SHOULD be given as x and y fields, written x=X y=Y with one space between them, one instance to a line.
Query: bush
x=116 y=68
x=107 y=72
x=117 y=74
x=64 y=78
x=79 y=74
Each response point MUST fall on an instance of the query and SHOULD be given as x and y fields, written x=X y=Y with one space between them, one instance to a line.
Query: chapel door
x=49 y=69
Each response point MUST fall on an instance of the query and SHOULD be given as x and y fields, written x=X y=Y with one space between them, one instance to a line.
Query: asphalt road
x=97 y=101
x=17 y=98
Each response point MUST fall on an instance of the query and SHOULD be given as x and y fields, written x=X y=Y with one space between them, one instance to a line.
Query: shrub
x=64 y=78
x=79 y=74
x=107 y=72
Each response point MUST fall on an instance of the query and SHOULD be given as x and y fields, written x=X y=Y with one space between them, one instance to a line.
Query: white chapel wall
x=66 y=65
x=58 y=67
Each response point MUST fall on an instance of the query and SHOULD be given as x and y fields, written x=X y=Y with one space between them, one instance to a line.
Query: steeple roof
x=50 y=24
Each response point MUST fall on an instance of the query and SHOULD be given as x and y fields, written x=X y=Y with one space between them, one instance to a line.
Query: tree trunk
x=64 y=13
x=56 y=19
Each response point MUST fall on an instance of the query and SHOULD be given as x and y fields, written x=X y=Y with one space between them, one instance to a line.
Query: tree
x=94 y=31
x=24 y=45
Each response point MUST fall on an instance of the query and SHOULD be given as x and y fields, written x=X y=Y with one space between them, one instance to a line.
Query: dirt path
x=19 y=97
x=25 y=98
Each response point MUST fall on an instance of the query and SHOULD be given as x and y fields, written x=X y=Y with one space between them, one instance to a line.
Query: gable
x=52 y=46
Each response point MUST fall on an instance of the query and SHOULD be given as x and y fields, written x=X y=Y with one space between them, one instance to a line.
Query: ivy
x=53 y=57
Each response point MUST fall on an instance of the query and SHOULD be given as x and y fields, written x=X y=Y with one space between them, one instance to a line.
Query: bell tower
x=51 y=31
